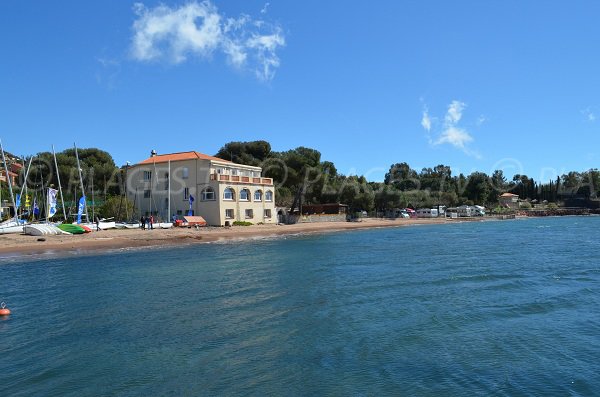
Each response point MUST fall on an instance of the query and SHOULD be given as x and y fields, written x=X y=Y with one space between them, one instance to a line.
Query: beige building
x=509 y=200
x=218 y=190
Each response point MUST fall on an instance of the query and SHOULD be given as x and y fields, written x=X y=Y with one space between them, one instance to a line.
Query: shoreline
x=19 y=246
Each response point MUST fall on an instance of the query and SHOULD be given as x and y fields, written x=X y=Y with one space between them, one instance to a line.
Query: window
x=256 y=174
x=245 y=195
x=166 y=203
x=147 y=175
x=234 y=172
x=185 y=172
x=268 y=195
x=249 y=214
x=258 y=195
x=228 y=194
x=219 y=170
x=207 y=194
x=147 y=193
x=166 y=181
x=186 y=193
x=228 y=214
x=267 y=213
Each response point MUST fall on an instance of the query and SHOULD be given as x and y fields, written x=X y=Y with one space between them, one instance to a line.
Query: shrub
x=242 y=223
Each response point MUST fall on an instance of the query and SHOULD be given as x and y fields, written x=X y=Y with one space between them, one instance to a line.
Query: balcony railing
x=241 y=179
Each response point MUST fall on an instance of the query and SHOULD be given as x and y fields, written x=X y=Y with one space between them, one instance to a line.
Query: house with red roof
x=509 y=200
x=222 y=192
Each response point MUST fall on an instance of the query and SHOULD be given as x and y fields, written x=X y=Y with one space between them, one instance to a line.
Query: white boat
x=105 y=225
x=11 y=229
x=40 y=229
x=127 y=225
x=164 y=225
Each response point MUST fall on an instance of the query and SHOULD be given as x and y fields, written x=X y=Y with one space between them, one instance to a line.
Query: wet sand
x=17 y=245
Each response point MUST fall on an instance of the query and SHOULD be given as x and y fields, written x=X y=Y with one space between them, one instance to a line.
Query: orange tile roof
x=193 y=155
x=508 y=195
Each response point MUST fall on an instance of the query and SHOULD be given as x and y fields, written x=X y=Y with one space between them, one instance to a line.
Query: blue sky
x=475 y=85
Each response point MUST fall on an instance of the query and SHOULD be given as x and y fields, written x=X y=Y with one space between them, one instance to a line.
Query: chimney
x=153 y=153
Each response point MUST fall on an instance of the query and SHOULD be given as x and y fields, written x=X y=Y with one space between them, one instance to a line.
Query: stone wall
x=322 y=218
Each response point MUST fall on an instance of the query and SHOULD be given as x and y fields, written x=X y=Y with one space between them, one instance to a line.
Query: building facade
x=509 y=200
x=220 y=191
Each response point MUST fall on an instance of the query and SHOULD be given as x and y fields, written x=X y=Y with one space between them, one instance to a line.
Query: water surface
x=501 y=308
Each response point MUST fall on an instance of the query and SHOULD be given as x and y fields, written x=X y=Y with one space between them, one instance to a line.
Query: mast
x=24 y=187
x=62 y=200
x=87 y=217
x=93 y=203
x=10 y=190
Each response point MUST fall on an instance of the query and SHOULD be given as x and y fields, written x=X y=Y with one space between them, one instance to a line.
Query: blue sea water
x=491 y=308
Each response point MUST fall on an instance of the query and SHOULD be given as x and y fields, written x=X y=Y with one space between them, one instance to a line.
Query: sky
x=475 y=85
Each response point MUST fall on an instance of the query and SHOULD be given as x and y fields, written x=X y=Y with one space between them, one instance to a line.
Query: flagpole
x=62 y=200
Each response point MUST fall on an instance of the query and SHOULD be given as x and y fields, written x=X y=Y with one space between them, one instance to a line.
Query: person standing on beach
x=151 y=221
x=143 y=222
x=97 y=223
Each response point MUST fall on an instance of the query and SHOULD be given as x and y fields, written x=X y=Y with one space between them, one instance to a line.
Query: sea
x=503 y=308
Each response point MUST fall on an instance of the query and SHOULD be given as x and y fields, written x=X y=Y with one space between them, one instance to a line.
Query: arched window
x=268 y=195
x=245 y=195
x=208 y=194
x=228 y=194
x=258 y=195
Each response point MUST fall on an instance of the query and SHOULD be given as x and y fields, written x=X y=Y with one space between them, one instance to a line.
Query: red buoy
x=3 y=310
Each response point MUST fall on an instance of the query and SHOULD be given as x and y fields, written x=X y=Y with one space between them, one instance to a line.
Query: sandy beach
x=16 y=245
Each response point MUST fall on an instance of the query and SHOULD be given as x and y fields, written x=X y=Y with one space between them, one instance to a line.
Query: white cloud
x=265 y=7
x=197 y=29
x=451 y=133
x=482 y=119
x=454 y=113
x=589 y=114
x=425 y=120
x=455 y=136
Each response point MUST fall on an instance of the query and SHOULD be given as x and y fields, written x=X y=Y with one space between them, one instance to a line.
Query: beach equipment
x=4 y=311
x=70 y=228
x=11 y=227
x=39 y=229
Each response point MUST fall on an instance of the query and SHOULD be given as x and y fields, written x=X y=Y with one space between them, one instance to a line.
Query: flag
x=191 y=202
x=80 y=209
x=36 y=208
x=18 y=200
x=51 y=202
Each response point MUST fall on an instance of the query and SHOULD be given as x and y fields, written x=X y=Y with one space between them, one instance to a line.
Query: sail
x=52 y=196
x=80 y=209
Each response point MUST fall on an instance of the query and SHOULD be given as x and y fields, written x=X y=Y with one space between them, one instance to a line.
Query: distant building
x=13 y=177
x=509 y=200
x=220 y=191
x=324 y=209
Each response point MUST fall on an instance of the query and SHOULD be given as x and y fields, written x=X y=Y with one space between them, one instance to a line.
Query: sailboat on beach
x=12 y=225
